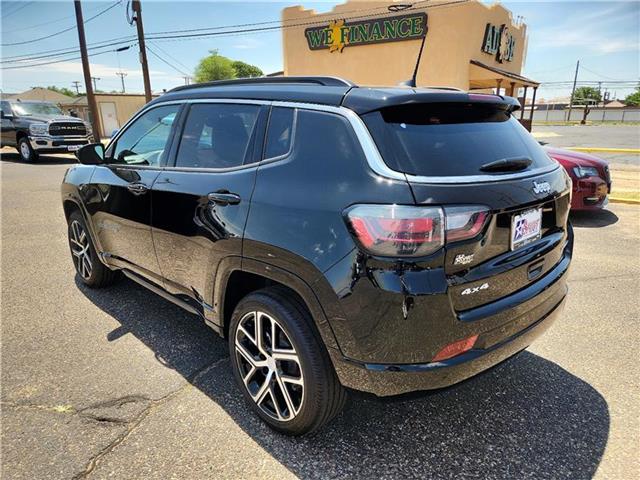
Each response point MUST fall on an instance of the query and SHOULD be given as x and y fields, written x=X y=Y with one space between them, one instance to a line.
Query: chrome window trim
x=175 y=168
x=372 y=154
x=294 y=128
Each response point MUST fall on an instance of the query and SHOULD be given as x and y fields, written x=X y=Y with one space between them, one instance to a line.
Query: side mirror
x=92 y=154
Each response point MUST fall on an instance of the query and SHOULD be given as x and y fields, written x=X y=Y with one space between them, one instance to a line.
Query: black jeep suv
x=41 y=127
x=380 y=239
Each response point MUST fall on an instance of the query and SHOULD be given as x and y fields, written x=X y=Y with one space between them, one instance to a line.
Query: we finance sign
x=339 y=34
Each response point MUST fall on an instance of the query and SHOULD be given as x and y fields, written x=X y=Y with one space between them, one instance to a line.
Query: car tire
x=26 y=151
x=314 y=395
x=91 y=271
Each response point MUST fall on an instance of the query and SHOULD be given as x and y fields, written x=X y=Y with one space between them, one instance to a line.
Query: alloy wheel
x=269 y=366
x=25 y=151
x=79 y=241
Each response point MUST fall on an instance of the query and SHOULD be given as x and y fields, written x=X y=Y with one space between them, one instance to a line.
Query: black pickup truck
x=41 y=127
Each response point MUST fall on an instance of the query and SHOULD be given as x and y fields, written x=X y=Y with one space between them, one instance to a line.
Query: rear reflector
x=456 y=348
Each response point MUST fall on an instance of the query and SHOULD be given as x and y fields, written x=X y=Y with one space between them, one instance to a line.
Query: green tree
x=633 y=99
x=586 y=96
x=214 y=67
x=63 y=90
x=245 y=70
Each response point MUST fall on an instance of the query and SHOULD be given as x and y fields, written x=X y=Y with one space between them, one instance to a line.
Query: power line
x=65 y=51
x=598 y=74
x=16 y=10
x=201 y=35
x=49 y=22
x=73 y=27
x=165 y=61
x=65 y=59
x=170 y=56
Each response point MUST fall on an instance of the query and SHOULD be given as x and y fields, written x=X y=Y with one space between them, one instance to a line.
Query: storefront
x=468 y=45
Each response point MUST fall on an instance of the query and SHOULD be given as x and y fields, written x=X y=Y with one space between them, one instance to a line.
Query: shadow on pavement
x=12 y=157
x=593 y=218
x=525 y=418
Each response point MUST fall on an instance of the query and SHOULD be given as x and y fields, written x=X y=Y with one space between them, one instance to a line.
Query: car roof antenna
x=412 y=81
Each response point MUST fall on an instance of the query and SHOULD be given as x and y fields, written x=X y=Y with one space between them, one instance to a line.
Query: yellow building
x=467 y=45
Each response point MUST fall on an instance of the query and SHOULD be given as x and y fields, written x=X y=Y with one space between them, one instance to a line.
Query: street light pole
x=137 y=8
x=573 y=91
x=91 y=100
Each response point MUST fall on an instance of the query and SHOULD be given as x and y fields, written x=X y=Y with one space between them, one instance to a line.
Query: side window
x=144 y=141
x=280 y=132
x=217 y=135
x=5 y=108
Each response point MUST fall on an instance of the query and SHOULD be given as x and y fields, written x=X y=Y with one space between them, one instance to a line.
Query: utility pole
x=95 y=79
x=76 y=84
x=573 y=91
x=122 y=75
x=187 y=79
x=137 y=8
x=91 y=100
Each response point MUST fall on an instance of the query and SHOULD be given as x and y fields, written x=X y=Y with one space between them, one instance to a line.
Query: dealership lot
x=121 y=383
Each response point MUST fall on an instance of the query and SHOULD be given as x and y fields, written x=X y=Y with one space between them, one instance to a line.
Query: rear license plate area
x=526 y=227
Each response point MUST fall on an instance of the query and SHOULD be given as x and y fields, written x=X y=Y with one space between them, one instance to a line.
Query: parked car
x=41 y=127
x=378 y=239
x=590 y=175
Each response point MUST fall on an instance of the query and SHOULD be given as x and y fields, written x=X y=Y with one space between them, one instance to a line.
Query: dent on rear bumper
x=389 y=379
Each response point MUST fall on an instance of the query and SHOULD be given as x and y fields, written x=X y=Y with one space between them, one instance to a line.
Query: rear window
x=450 y=139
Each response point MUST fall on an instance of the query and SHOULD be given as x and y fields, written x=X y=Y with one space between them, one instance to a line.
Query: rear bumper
x=389 y=379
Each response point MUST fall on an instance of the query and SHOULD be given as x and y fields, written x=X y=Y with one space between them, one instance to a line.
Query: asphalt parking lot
x=604 y=136
x=119 y=383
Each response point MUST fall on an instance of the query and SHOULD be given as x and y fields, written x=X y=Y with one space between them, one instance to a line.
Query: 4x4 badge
x=542 y=187
x=469 y=291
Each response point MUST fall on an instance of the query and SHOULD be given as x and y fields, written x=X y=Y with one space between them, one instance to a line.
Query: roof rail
x=324 y=81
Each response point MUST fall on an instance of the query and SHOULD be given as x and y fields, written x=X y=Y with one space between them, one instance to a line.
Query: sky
x=604 y=36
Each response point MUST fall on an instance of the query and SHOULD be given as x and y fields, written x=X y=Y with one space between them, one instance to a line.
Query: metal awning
x=482 y=76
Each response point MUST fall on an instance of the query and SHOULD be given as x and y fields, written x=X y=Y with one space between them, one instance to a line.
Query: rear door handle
x=224 y=197
x=137 y=188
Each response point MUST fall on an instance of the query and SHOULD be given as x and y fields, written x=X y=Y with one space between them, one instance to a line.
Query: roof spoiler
x=364 y=101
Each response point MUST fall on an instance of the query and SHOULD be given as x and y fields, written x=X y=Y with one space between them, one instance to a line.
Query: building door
x=108 y=117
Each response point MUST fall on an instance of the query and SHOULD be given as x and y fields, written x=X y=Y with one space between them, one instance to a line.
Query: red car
x=590 y=176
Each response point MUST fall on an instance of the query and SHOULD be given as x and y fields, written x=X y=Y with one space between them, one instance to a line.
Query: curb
x=604 y=149
x=627 y=201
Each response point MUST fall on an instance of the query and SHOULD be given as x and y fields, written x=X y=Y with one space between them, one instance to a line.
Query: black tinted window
x=450 y=139
x=145 y=140
x=217 y=135
x=280 y=132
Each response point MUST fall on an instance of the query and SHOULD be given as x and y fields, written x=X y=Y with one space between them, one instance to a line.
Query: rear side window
x=217 y=135
x=450 y=139
x=280 y=132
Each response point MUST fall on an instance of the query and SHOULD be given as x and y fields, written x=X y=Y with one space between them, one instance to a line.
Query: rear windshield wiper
x=507 y=165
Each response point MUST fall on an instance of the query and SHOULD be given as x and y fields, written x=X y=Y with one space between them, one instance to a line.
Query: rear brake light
x=456 y=348
x=408 y=231
x=398 y=230
x=464 y=222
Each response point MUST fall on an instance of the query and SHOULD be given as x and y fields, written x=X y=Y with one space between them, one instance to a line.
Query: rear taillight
x=398 y=230
x=464 y=222
x=408 y=231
